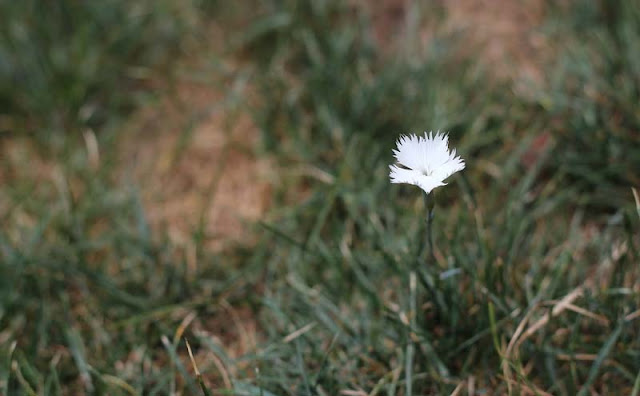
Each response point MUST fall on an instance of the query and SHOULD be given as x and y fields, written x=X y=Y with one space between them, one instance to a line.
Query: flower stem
x=429 y=204
x=430 y=283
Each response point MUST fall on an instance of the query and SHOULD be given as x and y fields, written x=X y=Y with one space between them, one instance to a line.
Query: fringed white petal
x=448 y=168
x=409 y=176
x=427 y=158
x=410 y=151
x=428 y=183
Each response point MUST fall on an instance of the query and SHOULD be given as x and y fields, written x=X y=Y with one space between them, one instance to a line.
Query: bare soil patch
x=504 y=33
x=193 y=157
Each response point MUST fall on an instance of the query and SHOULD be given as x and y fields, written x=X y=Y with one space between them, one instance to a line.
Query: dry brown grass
x=504 y=33
x=194 y=160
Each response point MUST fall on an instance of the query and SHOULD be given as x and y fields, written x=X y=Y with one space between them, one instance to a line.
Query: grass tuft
x=532 y=283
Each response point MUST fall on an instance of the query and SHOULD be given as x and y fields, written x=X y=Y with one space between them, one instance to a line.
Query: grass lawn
x=219 y=174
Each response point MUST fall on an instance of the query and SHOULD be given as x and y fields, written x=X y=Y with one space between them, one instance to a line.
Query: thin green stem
x=429 y=205
x=430 y=215
x=429 y=260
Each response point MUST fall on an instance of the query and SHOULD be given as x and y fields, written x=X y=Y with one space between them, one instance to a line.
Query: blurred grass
x=79 y=64
x=525 y=225
x=595 y=90
x=92 y=301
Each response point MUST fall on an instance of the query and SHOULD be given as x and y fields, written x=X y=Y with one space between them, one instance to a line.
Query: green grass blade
x=600 y=359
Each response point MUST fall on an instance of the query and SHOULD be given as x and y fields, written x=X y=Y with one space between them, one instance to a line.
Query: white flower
x=427 y=161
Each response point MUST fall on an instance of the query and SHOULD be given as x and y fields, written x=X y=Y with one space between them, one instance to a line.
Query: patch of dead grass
x=194 y=160
x=505 y=33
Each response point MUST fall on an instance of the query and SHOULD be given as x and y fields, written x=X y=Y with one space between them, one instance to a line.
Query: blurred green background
x=218 y=172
